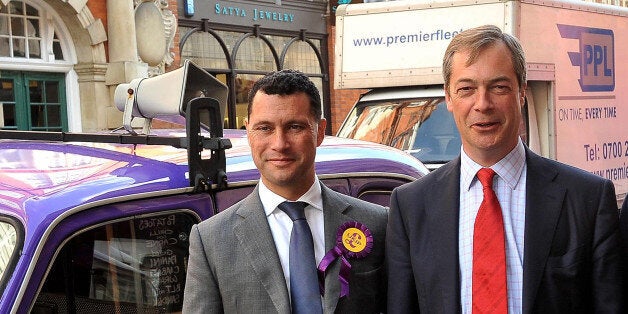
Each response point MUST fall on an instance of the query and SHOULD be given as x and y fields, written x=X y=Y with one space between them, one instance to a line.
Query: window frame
x=23 y=105
x=190 y=213
x=224 y=36
x=19 y=244
x=47 y=39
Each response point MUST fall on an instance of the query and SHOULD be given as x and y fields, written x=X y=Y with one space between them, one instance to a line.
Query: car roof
x=46 y=184
x=41 y=180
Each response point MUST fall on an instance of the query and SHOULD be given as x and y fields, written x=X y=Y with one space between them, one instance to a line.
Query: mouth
x=485 y=125
x=280 y=161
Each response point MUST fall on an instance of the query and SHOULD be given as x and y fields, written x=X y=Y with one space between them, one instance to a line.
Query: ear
x=448 y=101
x=322 y=124
x=522 y=94
x=246 y=128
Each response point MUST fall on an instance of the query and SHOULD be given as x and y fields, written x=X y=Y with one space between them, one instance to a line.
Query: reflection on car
x=103 y=227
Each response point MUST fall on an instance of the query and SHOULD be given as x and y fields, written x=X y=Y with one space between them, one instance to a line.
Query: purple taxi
x=95 y=227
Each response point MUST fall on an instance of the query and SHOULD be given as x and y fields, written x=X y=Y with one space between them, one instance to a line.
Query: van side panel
x=573 y=48
x=590 y=101
x=401 y=44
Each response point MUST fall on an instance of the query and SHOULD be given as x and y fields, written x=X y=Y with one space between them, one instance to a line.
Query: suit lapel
x=256 y=241
x=442 y=211
x=544 y=199
x=334 y=216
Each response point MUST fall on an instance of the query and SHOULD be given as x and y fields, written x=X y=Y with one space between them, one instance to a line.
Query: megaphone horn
x=166 y=96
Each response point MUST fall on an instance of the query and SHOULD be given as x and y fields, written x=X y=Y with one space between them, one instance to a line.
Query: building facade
x=60 y=60
x=240 y=41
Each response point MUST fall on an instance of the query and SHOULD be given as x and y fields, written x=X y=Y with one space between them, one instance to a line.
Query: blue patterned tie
x=304 y=290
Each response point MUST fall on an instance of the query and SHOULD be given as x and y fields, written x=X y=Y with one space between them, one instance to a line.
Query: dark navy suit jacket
x=572 y=253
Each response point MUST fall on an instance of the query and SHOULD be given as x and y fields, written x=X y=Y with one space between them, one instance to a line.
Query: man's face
x=283 y=135
x=486 y=102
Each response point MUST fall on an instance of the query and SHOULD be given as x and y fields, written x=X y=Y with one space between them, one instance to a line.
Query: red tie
x=489 y=252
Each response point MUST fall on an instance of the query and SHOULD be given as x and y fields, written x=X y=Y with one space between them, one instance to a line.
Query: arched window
x=304 y=55
x=27 y=33
x=31 y=96
x=240 y=58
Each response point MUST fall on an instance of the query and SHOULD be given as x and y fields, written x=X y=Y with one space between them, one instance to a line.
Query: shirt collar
x=270 y=200
x=509 y=168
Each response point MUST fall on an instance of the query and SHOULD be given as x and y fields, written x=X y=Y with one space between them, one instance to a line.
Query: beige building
x=60 y=60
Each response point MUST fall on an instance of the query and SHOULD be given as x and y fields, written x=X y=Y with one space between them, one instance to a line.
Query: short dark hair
x=288 y=82
x=475 y=40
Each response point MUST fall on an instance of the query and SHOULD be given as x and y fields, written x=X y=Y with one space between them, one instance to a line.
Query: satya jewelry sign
x=284 y=15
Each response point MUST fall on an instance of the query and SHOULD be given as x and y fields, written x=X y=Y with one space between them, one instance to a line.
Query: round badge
x=354 y=240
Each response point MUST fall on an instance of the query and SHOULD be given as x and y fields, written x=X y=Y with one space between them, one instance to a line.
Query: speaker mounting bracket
x=205 y=172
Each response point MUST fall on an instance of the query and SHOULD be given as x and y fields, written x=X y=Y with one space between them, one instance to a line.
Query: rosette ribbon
x=353 y=240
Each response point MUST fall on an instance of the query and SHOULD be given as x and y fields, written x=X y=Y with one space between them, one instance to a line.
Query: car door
x=128 y=257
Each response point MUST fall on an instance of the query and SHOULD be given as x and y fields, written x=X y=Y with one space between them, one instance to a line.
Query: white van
x=576 y=106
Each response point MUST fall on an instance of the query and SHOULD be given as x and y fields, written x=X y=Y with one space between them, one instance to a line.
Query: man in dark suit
x=623 y=221
x=559 y=225
x=623 y=230
x=240 y=260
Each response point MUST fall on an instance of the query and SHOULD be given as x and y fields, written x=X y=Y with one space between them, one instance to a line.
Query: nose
x=280 y=140
x=483 y=101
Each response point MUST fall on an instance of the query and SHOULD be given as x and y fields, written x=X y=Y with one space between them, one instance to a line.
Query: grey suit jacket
x=234 y=266
x=571 y=256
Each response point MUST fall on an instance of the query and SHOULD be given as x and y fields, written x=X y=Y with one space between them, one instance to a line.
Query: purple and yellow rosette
x=353 y=240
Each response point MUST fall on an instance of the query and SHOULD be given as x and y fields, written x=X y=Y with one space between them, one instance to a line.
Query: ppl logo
x=596 y=57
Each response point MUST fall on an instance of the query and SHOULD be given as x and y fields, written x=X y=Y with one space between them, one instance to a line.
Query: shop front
x=240 y=41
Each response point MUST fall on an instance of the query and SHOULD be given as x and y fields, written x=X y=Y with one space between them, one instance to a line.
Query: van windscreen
x=422 y=127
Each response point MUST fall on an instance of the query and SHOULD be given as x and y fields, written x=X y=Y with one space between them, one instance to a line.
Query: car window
x=228 y=197
x=338 y=185
x=136 y=265
x=375 y=189
x=9 y=239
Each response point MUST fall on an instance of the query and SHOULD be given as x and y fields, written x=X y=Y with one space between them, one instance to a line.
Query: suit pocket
x=367 y=292
x=570 y=258
x=369 y=280
x=567 y=272
x=564 y=283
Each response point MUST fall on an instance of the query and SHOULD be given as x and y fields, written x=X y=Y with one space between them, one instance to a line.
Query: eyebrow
x=288 y=122
x=501 y=78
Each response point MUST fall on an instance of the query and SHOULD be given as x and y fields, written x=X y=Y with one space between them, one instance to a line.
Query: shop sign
x=292 y=16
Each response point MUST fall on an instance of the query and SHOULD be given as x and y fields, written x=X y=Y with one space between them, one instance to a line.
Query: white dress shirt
x=510 y=186
x=281 y=224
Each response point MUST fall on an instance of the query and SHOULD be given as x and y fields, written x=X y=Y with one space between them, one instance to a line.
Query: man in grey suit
x=239 y=259
x=560 y=243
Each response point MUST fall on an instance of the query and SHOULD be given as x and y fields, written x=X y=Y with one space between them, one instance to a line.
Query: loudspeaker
x=166 y=96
